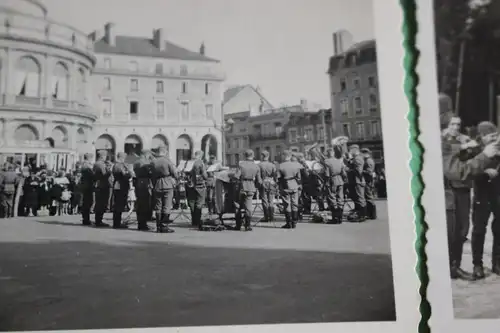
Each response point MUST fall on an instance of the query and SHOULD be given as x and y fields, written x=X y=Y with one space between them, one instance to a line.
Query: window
x=185 y=111
x=377 y=154
x=373 y=103
x=344 y=107
x=159 y=69
x=184 y=88
x=209 y=111
x=228 y=159
x=358 y=106
x=184 y=70
x=309 y=134
x=134 y=85
x=236 y=143
x=107 y=63
x=292 y=135
x=372 y=83
x=360 y=131
x=159 y=87
x=236 y=159
x=160 y=110
x=321 y=132
x=106 y=109
x=346 y=130
x=208 y=88
x=375 y=128
x=134 y=110
x=343 y=85
x=278 y=128
x=228 y=144
x=107 y=83
x=356 y=82
x=133 y=66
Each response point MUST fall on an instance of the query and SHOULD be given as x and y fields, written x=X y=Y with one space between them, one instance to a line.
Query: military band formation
x=343 y=174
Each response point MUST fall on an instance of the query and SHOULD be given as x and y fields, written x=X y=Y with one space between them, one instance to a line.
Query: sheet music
x=189 y=166
x=182 y=165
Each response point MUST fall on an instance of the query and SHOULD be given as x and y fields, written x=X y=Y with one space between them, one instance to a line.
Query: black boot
x=457 y=273
x=373 y=211
x=199 y=221
x=478 y=273
x=266 y=215
x=294 y=219
x=239 y=221
x=98 y=221
x=334 y=219
x=248 y=220
x=86 y=218
x=117 y=221
x=159 y=222
x=288 y=219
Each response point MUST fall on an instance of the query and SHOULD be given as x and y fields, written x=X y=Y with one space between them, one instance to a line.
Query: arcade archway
x=209 y=146
x=133 y=145
x=107 y=143
x=184 y=148
x=158 y=141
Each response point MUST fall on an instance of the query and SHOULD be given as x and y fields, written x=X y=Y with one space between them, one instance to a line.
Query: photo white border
x=390 y=53
x=439 y=289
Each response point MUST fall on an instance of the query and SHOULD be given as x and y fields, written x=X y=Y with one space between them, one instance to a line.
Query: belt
x=289 y=178
x=247 y=179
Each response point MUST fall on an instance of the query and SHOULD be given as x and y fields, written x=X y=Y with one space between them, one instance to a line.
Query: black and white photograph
x=468 y=69
x=213 y=163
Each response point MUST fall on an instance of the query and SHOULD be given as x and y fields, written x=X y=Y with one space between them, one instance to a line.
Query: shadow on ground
x=87 y=285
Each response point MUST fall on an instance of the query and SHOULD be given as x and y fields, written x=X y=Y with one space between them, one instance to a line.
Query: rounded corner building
x=45 y=108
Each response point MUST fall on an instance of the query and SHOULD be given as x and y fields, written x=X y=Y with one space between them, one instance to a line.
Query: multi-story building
x=355 y=98
x=45 y=70
x=240 y=104
x=268 y=130
x=150 y=93
x=305 y=129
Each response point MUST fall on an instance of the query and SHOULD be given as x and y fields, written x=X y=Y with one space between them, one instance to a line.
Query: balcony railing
x=274 y=136
x=41 y=103
x=21 y=25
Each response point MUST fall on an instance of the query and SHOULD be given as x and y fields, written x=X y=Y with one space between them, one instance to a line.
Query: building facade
x=355 y=97
x=45 y=69
x=241 y=103
x=150 y=93
x=306 y=129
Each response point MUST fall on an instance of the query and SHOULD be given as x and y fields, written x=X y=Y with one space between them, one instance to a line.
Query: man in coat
x=197 y=195
x=248 y=175
x=289 y=180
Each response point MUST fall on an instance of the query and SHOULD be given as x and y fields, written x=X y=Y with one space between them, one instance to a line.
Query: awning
x=132 y=139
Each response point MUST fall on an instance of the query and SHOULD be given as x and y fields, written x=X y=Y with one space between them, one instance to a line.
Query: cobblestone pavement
x=56 y=274
x=478 y=299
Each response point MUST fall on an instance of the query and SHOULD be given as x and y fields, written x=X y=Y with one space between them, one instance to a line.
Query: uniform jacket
x=101 y=175
x=87 y=178
x=248 y=173
x=356 y=168
x=10 y=181
x=164 y=174
x=456 y=143
x=143 y=173
x=455 y=169
x=335 y=172
x=198 y=174
x=289 y=176
x=121 y=175
x=268 y=174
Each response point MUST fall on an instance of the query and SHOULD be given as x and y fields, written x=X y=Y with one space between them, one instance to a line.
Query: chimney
x=202 y=49
x=109 y=34
x=92 y=36
x=159 y=39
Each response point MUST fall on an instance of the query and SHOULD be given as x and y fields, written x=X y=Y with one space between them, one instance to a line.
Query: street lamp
x=226 y=125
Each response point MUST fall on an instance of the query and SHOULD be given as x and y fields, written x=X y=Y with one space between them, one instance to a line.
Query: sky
x=282 y=46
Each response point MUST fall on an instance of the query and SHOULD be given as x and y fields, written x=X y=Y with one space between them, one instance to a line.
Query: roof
x=233 y=91
x=144 y=47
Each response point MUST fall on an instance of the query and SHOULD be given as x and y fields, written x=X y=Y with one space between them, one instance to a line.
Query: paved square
x=56 y=274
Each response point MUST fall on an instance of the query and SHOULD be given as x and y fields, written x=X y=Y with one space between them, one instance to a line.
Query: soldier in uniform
x=197 y=195
x=317 y=180
x=87 y=188
x=101 y=172
x=335 y=173
x=268 y=175
x=9 y=184
x=357 y=184
x=248 y=174
x=486 y=201
x=305 y=186
x=143 y=189
x=289 y=179
x=211 y=187
x=368 y=173
x=456 y=169
x=164 y=182
x=121 y=186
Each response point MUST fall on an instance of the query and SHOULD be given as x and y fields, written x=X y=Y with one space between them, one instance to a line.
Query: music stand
x=183 y=168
